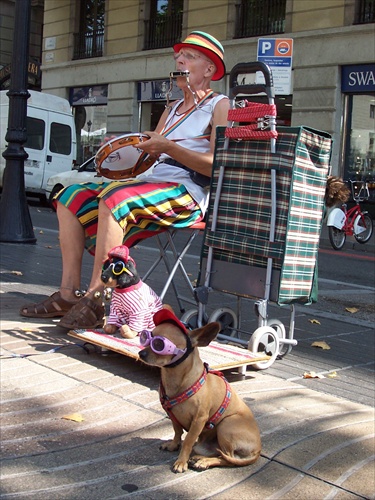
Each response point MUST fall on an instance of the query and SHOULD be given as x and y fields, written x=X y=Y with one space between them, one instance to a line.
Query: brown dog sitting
x=220 y=426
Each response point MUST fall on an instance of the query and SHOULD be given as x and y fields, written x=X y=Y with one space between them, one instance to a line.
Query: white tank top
x=197 y=124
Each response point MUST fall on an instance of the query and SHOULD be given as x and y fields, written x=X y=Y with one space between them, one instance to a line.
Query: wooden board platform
x=217 y=355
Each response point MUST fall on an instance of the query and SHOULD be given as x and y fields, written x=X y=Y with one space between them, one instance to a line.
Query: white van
x=51 y=139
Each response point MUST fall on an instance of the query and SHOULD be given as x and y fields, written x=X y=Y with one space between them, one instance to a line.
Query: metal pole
x=15 y=220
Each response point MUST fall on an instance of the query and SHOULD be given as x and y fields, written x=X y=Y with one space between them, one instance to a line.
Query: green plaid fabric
x=242 y=232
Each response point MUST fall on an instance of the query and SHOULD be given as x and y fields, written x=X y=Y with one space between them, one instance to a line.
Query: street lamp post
x=89 y=123
x=15 y=220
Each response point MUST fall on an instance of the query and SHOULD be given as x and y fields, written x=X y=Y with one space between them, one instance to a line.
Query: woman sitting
x=99 y=217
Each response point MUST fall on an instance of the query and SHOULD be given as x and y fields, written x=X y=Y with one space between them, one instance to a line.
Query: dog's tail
x=240 y=462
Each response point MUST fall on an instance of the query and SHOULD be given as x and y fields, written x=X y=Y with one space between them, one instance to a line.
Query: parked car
x=85 y=173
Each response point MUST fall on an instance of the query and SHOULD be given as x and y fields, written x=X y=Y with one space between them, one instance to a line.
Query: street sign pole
x=15 y=220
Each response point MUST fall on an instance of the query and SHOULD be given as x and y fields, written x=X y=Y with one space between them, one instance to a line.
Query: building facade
x=112 y=59
x=7 y=10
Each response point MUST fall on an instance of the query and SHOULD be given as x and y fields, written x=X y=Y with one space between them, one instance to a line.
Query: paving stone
x=317 y=434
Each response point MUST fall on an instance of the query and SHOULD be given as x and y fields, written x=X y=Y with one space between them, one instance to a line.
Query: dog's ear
x=201 y=337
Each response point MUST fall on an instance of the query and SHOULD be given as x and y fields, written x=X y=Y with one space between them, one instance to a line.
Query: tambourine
x=118 y=159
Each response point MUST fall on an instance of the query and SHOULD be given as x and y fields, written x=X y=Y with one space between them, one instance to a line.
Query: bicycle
x=343 y=222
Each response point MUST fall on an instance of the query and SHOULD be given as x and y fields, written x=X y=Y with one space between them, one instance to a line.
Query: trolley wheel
x=279 y=328
x=228 y=319
x=190 y=318
x=264 y=340
x=363 y=228
x=337 y=237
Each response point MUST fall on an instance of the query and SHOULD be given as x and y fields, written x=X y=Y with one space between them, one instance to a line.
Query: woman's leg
x=72 y=244
x=89 y=311
x=109 y=235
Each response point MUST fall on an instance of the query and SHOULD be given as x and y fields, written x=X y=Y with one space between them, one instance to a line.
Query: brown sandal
x=87 y=313
x=52 y=307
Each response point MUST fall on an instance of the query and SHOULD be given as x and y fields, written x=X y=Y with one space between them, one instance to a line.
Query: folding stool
x=172 y=257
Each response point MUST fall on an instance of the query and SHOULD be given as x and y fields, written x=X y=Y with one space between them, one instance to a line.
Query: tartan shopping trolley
x=264 y=219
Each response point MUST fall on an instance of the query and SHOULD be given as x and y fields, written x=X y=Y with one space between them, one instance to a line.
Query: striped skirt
x=141 y=208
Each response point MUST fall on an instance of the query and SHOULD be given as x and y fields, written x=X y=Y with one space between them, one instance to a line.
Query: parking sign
x=277 y=53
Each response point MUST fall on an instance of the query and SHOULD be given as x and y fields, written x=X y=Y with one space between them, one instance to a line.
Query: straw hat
x=209 y=46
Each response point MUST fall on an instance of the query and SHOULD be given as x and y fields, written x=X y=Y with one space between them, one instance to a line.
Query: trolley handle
x=248 y=68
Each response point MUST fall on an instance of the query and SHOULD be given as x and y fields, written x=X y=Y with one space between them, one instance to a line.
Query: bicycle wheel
x=337 y=237
x=363 y=228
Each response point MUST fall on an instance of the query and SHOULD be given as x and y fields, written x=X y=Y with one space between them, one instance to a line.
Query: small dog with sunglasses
x=133 y=303
x=221 y=430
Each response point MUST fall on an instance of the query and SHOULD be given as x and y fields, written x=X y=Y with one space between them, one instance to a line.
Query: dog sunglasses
x=117 y=267
x=160 y=345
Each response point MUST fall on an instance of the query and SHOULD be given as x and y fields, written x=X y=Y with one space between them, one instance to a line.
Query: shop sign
x=93 y=95
x=358 y=78
x=5 y=72
x=33 y=73
x=157 y=90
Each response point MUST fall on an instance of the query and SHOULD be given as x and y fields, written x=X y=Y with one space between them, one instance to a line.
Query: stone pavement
x=80 y=424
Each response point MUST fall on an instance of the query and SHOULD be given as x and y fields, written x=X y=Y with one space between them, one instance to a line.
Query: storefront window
x=90 y=112
x=360 y=148
x=358 y=151
x=93 y=132
x=152 y=99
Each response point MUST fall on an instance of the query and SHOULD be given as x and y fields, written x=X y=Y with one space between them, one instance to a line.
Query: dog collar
x=137 y=286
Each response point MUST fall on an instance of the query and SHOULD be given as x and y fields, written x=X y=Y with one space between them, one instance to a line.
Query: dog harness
x=168 y=403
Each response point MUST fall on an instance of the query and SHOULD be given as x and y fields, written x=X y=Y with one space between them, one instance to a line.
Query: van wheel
x=44 y=201
x=54 y=191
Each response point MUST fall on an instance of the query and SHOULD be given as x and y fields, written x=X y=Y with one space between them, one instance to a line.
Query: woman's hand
x=156 y=145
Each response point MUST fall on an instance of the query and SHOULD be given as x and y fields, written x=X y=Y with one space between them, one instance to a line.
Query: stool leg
x=179 y=264
x=173 y=267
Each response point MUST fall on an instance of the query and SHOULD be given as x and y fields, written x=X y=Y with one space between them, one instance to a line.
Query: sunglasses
x=117 y=267
x=189 y=56
x=160 y=345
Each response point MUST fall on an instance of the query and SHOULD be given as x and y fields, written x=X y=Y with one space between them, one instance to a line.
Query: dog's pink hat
x=166 y=316
x=121 y=252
